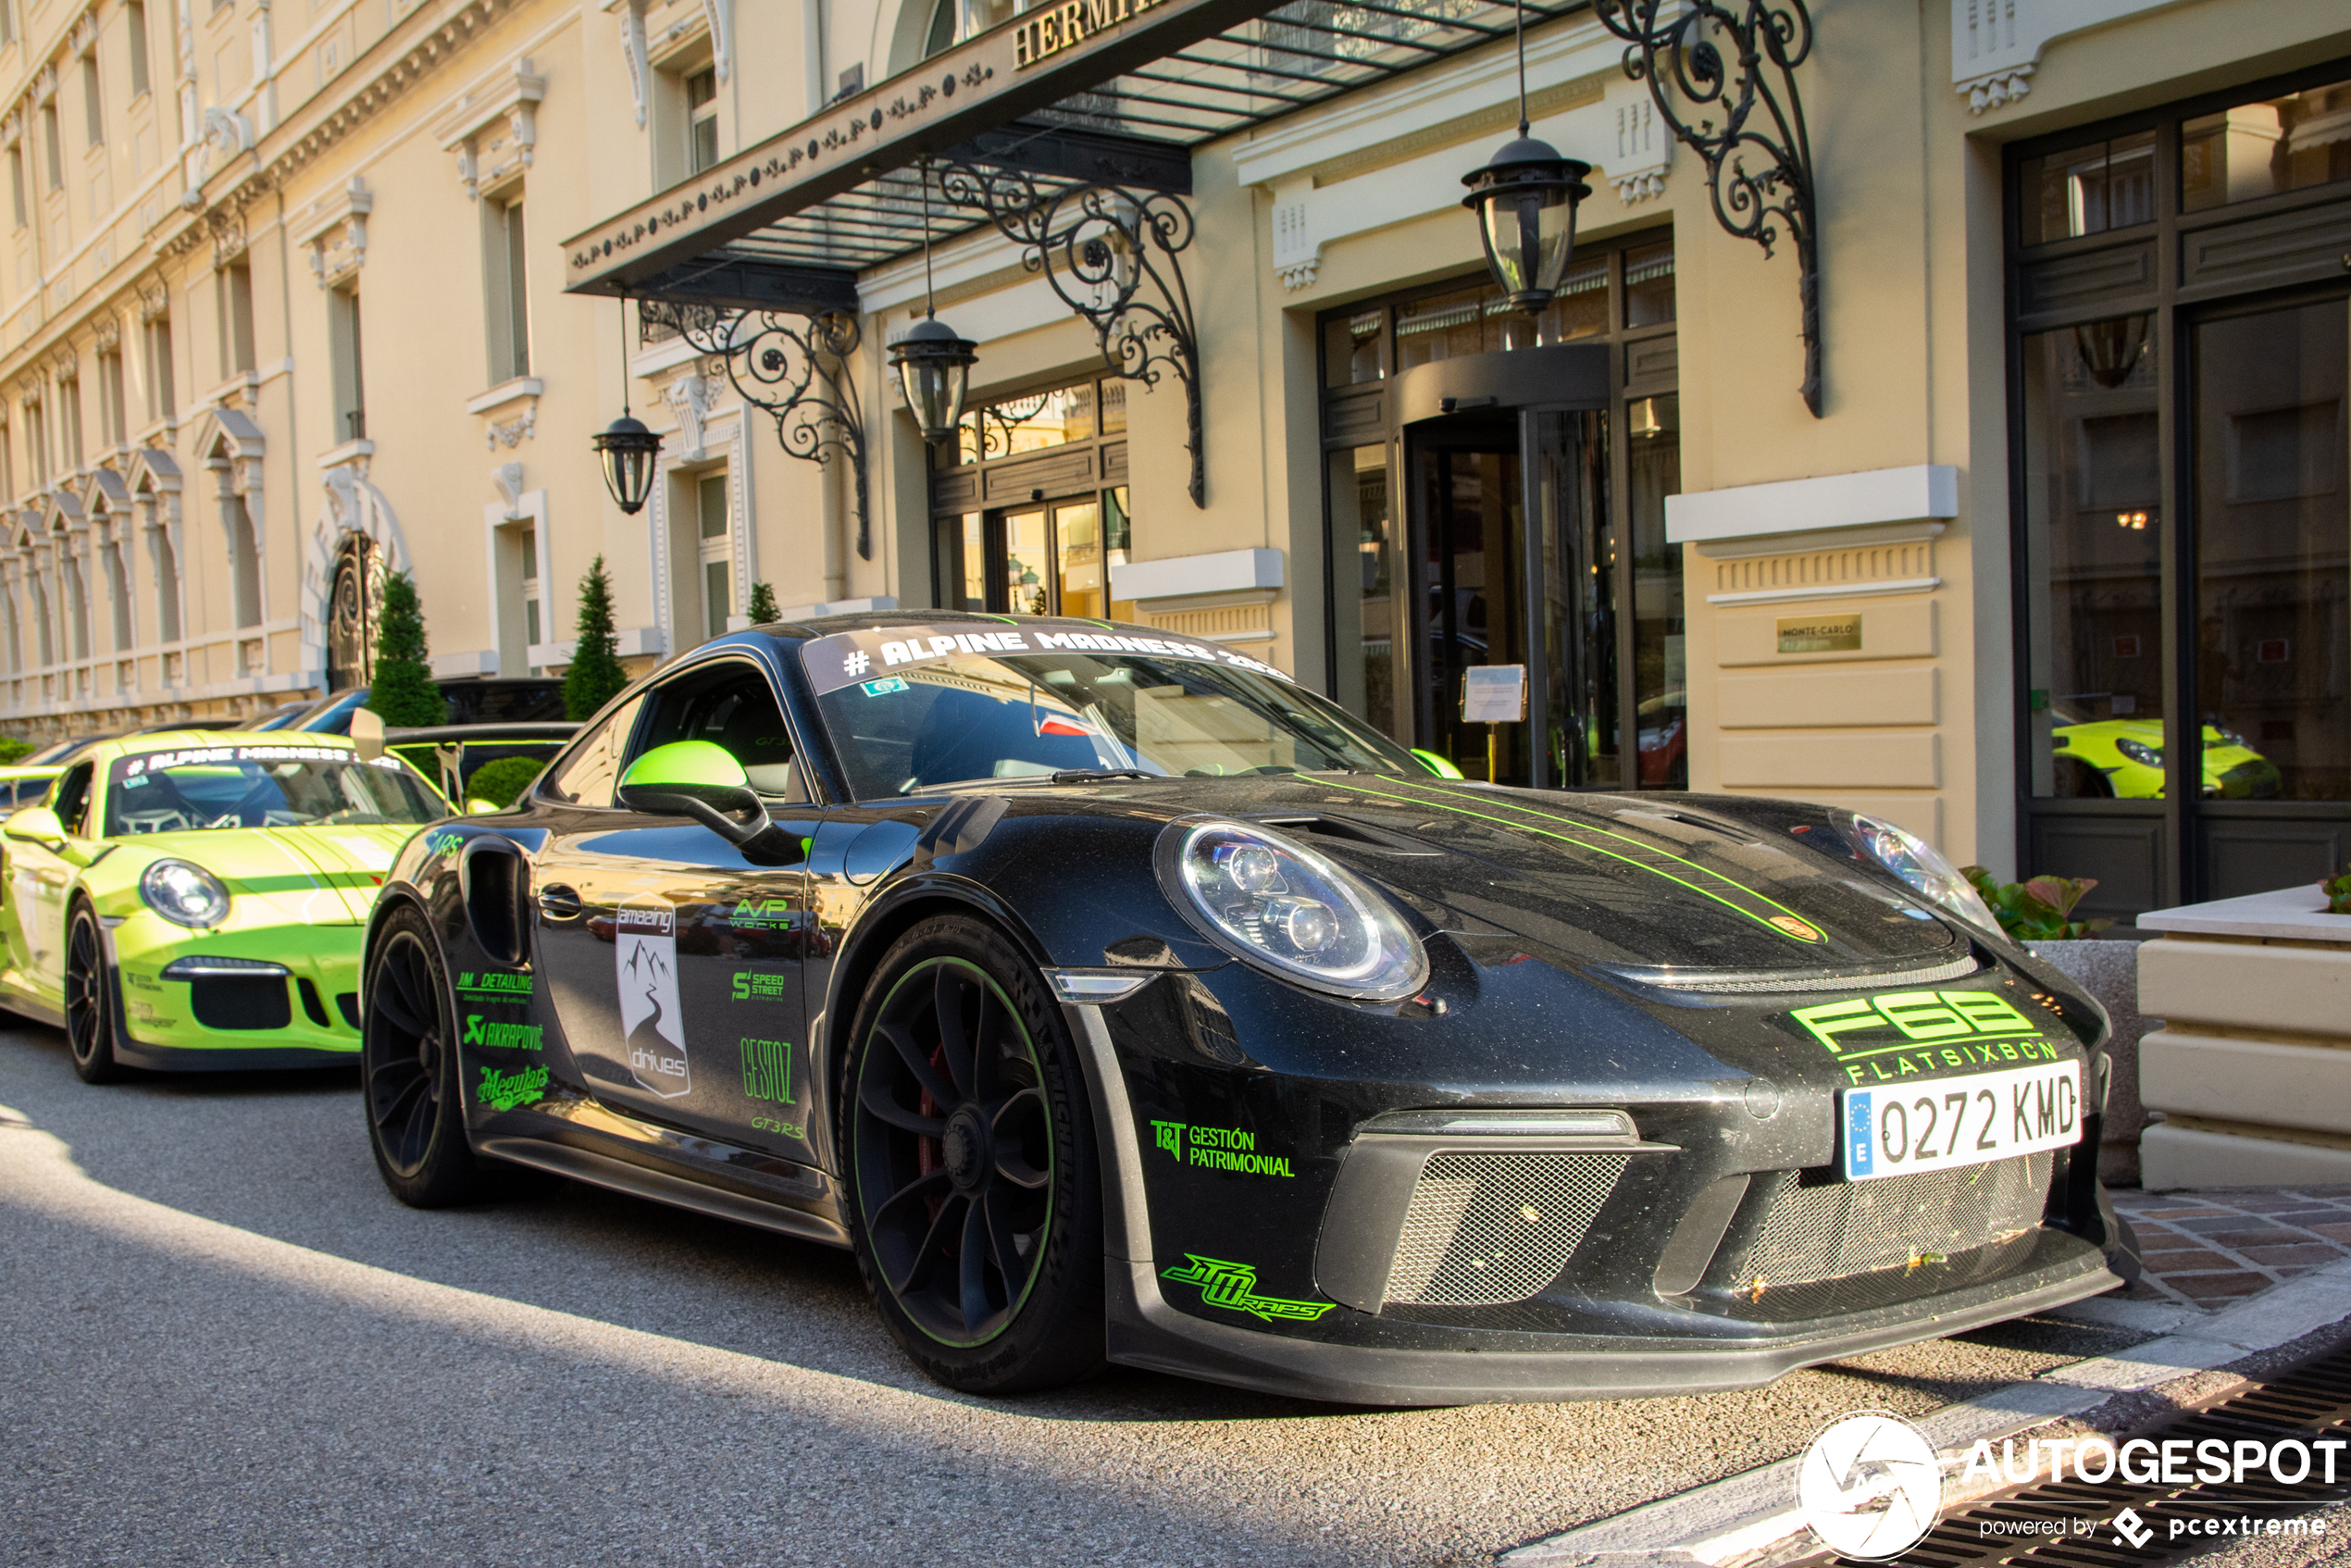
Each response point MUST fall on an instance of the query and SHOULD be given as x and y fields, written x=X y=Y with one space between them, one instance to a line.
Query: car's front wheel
x=974 y=1196
x=408 y=1071
x=90 y=1002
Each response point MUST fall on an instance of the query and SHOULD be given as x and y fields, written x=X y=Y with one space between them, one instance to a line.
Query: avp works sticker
x=645 y=960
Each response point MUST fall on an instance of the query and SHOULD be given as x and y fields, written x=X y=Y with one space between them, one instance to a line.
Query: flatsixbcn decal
x=1233 y=1288
x=1931 y=1032
x=645 y=960
x=1218 y=1149
x=491 y=1035
x=504 y=1091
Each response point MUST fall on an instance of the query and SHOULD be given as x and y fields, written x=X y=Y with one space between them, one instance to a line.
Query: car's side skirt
x=661 y=1187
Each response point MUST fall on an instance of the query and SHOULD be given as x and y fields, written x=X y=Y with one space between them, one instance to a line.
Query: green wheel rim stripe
x=1646 y=859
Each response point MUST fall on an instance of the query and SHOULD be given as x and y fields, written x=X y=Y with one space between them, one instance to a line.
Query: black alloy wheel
x=90 y=1002
x=408 y=1070
x=973 y=1199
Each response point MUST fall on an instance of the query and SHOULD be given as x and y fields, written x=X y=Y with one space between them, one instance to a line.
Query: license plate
x=1950 y=1122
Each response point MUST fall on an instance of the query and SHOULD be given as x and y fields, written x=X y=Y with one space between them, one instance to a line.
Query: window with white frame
x=715 y=551
x=77 y=597
x=135 y=21
x=244 y=560
x=349 y=368
x=505 y=266
x=94 y=112
x=113 y=415
x=701 y=119
x=233 y=288
x=154 y=340
x=36 y=441
x=167 y=566
x=117 y=581
x=70 y=419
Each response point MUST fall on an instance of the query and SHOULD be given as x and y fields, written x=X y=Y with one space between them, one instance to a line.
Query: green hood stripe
x=1645 y=860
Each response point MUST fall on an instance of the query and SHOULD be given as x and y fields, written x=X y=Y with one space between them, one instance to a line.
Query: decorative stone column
x=2252 y=1069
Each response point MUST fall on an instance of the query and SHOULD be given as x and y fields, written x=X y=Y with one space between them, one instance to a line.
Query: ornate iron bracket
x=1097 y=245
x=1679 y=47
x=796 y=368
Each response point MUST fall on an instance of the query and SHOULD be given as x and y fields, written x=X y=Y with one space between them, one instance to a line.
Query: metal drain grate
x=1842 y=1228
x=1484 y=1229
x=2313 y=1402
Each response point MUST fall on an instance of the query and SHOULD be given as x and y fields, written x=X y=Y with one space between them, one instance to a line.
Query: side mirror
x=37 y=825
x=368 y=733
x=695 y=779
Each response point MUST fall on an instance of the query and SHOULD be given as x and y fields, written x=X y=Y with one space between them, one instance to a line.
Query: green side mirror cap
x=1440 y=766
x=698 y=780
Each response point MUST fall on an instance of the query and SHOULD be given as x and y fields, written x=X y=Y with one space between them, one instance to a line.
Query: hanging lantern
x=626 y=448
x=2111 y=350
x=934 y=369
x=1526 y=199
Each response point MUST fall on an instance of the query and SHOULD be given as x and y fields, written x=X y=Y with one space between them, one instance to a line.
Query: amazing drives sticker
x=645 y=962
x=866 y=658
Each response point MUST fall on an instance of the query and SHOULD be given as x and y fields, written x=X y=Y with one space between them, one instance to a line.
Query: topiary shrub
x=501 y=782
x=403 y=691
x=762 y=609
x=13 y=750
x=595 y=676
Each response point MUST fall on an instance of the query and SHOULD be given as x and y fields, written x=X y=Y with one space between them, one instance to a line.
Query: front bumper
x=307 y=1018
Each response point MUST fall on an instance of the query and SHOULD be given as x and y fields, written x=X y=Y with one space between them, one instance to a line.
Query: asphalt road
x=225 y=1343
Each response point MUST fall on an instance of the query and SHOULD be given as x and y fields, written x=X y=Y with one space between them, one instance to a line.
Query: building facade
x=2075 y=480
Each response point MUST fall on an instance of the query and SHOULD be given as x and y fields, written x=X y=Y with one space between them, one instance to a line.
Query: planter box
x=2252 y=1068
x=2109 y=971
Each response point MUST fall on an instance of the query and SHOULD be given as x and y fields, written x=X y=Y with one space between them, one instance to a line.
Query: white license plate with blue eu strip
x=1890 y=1131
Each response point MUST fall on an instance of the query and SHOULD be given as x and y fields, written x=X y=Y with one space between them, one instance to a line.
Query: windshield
x=960 y=718
x=262 y=787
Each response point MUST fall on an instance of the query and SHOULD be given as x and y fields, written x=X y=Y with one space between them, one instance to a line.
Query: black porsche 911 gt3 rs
x=1114 y=998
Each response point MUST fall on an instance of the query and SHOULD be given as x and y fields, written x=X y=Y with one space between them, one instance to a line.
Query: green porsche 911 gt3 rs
x=196 y=900
x=2124 y=758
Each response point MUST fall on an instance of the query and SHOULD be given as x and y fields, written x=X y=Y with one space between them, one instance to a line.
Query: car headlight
x=2145 y=755
x=1285 y=909
x=1922 y=867
x=184 y=894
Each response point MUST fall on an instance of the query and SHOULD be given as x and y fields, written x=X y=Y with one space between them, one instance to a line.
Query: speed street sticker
x=1936 y=1127
x=852 y=658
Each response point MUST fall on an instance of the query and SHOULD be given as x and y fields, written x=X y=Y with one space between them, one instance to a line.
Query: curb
x=1741 y=1518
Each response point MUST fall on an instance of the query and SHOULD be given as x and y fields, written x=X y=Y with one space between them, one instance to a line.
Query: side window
x=73 y=799
x=731 y=704
x=587 y=774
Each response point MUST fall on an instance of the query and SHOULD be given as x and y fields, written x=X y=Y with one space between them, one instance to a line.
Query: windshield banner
x=851 y=658
x=215 y=755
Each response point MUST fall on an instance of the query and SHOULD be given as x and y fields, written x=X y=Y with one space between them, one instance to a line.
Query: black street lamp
x=626 y=447
x=933 y=364
x=1526 y=199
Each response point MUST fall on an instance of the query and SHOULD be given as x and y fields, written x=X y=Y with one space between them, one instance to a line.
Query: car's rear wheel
x=90 y=1002
x=408 y=1071
x=974 y=1196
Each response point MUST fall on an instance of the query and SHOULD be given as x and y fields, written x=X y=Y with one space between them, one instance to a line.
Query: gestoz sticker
x=645 y=962
x=858 y=658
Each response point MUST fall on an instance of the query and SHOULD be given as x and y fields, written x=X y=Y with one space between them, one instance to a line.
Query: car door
x=39 y=877
x=673 y=956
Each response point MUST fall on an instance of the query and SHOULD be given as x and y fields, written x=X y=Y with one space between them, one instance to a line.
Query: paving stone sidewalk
x=2208 y=1249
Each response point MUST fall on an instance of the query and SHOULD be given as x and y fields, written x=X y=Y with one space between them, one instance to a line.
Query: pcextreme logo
x=1234 y=1286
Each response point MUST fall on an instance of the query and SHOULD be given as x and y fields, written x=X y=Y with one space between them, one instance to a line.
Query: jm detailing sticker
x=488 y=1034
x=1218 y=1149
x=645 y=960
x=493 y=985
x=1908 y=1033
x=504 y=1091
x=1233 y=1288
x=857 y=658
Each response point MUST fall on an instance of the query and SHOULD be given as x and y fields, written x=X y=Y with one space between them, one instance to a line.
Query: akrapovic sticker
x=867 y=658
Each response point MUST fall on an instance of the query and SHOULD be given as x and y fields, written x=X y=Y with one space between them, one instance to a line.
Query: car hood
x=325 y=875
x=1648 y=881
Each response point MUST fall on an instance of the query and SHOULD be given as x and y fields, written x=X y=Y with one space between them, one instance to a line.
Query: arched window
x=351 y=596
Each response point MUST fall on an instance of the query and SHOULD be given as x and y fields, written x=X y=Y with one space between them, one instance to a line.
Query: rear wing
x=448 y=742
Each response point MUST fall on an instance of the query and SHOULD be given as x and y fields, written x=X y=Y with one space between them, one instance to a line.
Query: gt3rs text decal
x=1621 y=847
x=645 y=960
x=852 y=658
x=1908 y=1033
x=1233 y=1288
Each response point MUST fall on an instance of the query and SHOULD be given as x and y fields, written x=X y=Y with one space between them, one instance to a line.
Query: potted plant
x=2039 y=913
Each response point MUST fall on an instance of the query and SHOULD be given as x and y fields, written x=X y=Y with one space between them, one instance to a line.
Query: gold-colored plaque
x=1820 y=634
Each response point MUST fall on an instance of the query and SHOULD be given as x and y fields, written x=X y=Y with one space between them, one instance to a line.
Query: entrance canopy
x=1088 y=93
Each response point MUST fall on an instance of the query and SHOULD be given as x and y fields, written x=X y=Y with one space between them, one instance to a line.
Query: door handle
x=558 y=902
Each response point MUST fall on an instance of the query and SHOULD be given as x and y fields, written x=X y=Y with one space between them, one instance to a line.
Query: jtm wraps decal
x=645 y=958
x=1218 y=1149
x=489 y=1035
x=1908 y=1033
x=1234 y=1286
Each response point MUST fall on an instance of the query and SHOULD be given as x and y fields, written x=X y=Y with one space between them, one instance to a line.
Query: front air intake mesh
x=1838 y=1229
x=1484 y=1229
